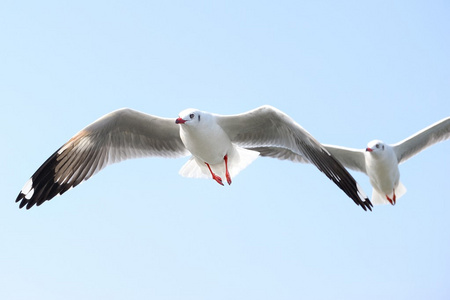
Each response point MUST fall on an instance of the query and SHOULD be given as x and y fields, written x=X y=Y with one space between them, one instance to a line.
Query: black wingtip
x=22 y=199
x=369 y=204
x=337 y=173
x=366 y=204
x=42 y=186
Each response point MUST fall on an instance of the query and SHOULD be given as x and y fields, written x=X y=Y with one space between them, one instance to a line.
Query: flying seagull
x=221 y=146
x=380 y=161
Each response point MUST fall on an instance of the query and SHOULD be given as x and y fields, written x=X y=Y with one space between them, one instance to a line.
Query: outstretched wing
x=431 y=135
x=119 y=135
x=268 y=128
x=351 y=158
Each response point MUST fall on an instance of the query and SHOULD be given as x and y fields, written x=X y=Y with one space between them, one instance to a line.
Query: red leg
x=389 y=199
x=227 y=174
x=393 y=200
x=214 y=176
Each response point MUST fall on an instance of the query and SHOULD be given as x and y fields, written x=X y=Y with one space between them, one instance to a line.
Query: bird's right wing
x=119 y=135
x=351 y=158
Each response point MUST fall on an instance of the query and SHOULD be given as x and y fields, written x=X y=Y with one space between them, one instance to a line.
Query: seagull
x=220 y=147
x=380 y=161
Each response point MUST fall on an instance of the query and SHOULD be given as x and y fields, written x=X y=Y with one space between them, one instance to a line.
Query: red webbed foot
x=227 y=174
x=214 y=176
x=393 y=200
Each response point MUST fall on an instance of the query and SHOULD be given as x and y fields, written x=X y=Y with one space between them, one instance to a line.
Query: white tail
x=378 y=198
x=238 y=159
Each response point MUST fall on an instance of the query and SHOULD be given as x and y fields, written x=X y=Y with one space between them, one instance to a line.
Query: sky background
x=347 y=71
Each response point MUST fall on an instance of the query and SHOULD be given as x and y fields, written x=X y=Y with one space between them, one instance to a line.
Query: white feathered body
x=384 y=175
x=209 y=143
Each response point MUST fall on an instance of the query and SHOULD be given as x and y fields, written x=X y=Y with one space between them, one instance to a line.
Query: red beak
x=369 y=149
x=180 y=121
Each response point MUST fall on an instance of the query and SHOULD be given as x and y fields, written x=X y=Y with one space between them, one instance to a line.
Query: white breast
x=208 y=142
x=383 y=171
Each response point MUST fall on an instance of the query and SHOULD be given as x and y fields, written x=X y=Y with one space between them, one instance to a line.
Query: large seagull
x=221 y=146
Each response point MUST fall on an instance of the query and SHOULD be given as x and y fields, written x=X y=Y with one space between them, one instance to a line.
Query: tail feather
x=380 y=198
x=400 y=190
x=238 y=159
x=194 y=169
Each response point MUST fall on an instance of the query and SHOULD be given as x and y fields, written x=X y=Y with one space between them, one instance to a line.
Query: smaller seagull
x=221 y=146
x=380 y=161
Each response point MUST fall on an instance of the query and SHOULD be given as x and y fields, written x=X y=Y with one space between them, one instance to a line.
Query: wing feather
x=349 y=157
x=267 y=127
x=117 y=136
x=419 y=141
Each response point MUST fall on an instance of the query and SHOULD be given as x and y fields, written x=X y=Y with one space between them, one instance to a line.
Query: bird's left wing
x=119 y=135
x=412 y=145
x=268 y=128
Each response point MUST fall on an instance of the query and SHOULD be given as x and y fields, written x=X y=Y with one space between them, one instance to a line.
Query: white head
x=190 y=116
x=376 y=147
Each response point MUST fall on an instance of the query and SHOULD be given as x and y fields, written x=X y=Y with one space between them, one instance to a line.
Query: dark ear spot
x=199 y=117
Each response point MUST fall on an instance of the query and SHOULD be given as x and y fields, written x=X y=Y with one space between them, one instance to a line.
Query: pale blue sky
x=348 y=72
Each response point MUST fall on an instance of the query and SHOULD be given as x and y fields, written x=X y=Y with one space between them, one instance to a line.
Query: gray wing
x=431 y=135
x=268 y=128
x=280 y=153
x=351 y=158
x=119 y=135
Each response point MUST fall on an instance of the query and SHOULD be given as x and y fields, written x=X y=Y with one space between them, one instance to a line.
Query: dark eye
x=377 y=145
x=191 y=116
